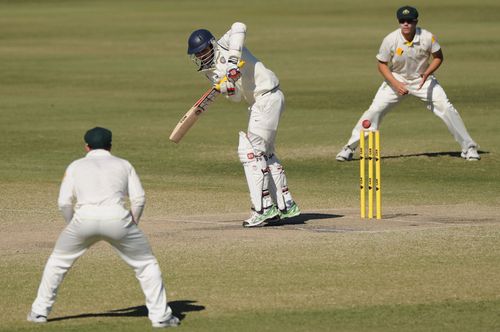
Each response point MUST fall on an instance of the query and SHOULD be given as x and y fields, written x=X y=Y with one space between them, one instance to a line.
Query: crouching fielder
x=100 y=183
x=260 y=88
x=407 y=59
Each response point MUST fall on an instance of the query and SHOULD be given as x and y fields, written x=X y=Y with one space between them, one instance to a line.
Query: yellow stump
x=370 y=174
x=378 y=177
x=371 y=179
x=362 y=189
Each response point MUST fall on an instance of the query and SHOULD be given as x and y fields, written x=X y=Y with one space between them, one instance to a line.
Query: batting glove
x=233 y=73
x=227 y=87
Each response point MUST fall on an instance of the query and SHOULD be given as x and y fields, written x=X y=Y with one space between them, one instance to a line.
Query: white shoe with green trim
x=257 y=219
x=290 y=212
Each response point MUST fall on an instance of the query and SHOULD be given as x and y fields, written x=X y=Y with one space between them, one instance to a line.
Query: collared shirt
x=101 y=180
x=408 y=59
x=255 y=79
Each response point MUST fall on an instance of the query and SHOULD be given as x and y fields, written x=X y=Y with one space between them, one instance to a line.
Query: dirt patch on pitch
x=323 y=223
x=22 y=231
x=349 y=220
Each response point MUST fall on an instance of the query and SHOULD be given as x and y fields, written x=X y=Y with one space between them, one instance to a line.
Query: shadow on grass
x=179 y=309
x=302 y=219
x=454 y=154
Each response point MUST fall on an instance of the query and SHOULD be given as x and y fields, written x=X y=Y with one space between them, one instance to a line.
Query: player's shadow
x=302 y=219
x=179 y=308
x=453 y=154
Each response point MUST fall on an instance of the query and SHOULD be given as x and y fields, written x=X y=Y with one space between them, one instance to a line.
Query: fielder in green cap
x=407 y=60
x=407 y=13
x=98 y=138
x=92 y=201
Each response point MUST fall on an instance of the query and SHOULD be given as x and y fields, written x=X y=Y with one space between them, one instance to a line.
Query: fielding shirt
x=409 y=59
x=101 y=182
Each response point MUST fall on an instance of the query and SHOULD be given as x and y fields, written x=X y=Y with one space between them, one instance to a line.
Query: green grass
x=67 y=66
x=428 y=280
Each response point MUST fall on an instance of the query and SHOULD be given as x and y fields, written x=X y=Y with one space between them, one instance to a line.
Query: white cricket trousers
x=131 y=245
x=264 y=117
x=431 y=92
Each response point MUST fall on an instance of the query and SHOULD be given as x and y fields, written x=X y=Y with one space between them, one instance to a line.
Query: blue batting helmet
x=199 y=40
x=201 y=49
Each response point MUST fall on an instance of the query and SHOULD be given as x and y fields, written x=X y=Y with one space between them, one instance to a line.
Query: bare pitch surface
x=22 y=235
x=404 y=218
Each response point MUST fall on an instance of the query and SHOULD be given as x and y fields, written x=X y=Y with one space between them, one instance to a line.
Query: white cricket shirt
x=255 y=79
x=100 y=183
x=409 y=59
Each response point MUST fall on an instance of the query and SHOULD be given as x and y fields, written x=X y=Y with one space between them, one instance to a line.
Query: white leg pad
x=256 y=173
x=278 y=187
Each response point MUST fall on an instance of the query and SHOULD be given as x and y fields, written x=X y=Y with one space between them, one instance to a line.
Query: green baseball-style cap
x=98 y=138
x=407 y=13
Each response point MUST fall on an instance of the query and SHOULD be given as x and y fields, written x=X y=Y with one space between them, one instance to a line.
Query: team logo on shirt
x=399 y=51
x=222 y=59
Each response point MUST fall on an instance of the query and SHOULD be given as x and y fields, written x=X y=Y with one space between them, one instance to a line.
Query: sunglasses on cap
x=407 y=20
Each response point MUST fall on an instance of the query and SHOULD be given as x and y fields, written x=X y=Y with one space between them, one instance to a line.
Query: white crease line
x=27 y=210
x=196 y=221
x=386 y=221
x=345 y=230
x=416 y=228
x=430 y=221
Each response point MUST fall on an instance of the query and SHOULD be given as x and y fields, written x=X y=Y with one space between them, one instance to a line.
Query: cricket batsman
x=407 y=59
x=259 y=87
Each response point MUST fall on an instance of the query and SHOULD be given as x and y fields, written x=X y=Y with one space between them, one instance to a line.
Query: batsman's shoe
x=257 y=219
x=36 y=318
x=290 y=212
x=171 y=322
x=345 y=154
x=471 y=154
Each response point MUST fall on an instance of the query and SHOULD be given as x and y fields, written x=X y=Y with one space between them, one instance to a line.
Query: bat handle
x=217 y=85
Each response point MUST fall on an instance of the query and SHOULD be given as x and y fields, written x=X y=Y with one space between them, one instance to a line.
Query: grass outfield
x=431 y=265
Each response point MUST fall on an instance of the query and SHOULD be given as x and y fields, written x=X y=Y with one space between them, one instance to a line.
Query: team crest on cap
x=406 y=12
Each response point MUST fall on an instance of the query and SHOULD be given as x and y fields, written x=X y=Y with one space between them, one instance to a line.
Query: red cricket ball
x=366 y=124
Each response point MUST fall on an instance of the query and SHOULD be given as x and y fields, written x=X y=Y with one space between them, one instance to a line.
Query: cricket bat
x=189 y=119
